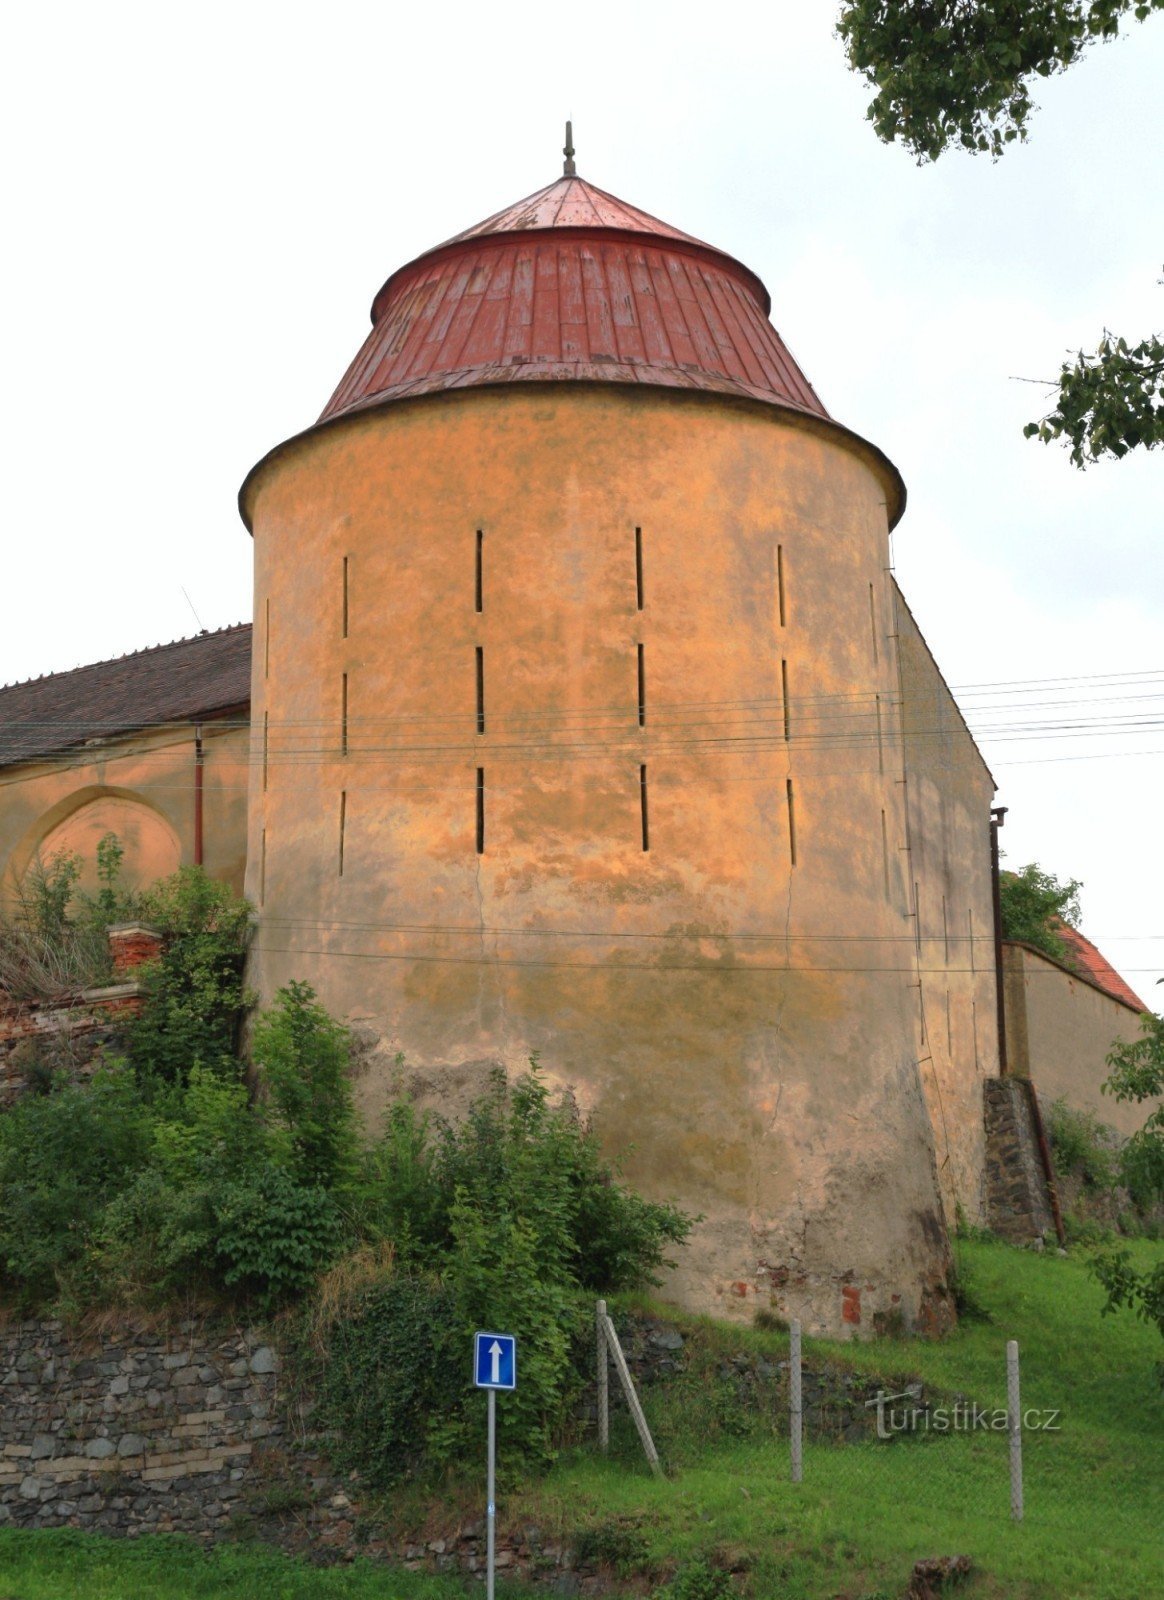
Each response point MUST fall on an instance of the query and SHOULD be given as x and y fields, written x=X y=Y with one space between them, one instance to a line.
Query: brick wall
x=71 y=1035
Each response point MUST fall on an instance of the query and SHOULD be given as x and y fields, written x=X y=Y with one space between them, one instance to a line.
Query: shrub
x=63 y=1157
x=1035 y=905
x=514 y=1214
x=1083 y=1145
x=304 y=1057
x=273 y=1236
x=394 y=1364
x=194 y=992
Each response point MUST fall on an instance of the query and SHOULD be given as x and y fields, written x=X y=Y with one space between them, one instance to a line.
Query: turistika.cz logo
x=964 y=1416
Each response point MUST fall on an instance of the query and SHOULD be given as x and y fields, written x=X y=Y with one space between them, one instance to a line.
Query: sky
x=203 y=201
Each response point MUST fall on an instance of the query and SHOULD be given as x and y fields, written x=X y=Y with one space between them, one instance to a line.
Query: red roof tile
x=1096 y=967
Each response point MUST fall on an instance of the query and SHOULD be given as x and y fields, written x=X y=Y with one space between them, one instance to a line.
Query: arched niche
x=152 y=848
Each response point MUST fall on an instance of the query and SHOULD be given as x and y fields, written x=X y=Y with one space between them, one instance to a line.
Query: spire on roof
x=569 y=170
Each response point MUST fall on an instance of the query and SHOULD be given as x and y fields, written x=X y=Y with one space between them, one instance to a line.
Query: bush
x=64 y=1156
x=516 y=1216
x=195 y=995
x=1082 y=1145
x=390 y=1366
x=1035 y=906
x=304 y=1058
x=273 y=1235
x=140 y=1185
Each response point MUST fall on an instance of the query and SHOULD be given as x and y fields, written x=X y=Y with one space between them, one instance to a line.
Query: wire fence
x=1015 y=1451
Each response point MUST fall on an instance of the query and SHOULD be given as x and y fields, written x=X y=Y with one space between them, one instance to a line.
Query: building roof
x=1097 y=968
x=573 y=283
x=571 y=202
x=206 y=676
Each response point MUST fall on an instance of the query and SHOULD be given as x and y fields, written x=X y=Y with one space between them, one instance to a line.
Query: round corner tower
x=571 y=627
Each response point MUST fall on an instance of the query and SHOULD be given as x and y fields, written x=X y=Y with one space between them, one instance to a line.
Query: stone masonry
x=1018 y=1200
x=139 y=1433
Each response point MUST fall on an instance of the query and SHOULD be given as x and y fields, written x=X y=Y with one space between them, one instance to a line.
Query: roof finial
x=569 y=170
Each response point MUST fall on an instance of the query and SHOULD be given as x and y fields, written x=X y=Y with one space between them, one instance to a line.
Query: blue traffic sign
x=495 y=1361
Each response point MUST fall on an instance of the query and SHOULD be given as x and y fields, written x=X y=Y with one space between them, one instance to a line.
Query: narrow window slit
x=639 y=565
x=780 y=581
x=480 y=569
x=880 y=741
x=480 y=689
x=885 y=852
x=974 y=1026
x=345 y=597
x=343 y=818
x=266 y=747
x=791 y=822
x=873 y=623
x=344 y=716
x=263 y=866
x=916 y=917
x=642 y=689
x=784 y=697
x=643 y=807
x=480 y=811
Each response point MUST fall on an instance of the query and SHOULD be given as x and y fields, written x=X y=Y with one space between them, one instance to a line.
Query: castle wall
x=950 y=933
x=1059 y=1029
x=139 y=786
x=729 y=1003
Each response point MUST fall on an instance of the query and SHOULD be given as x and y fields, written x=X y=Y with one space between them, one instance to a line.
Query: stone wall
x=1018 y=1196
x=190 y=1429
x=136 y=1433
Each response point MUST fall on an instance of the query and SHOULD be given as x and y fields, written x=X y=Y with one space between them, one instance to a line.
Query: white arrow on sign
x=495 y=1352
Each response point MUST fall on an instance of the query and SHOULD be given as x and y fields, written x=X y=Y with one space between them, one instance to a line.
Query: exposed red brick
x=850 y=1304
x=132 y=946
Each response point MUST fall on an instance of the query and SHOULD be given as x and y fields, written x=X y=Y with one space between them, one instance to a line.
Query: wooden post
x=603 y=1381
x=795 y=1401
x=1014 y=1429
x=632 y=1398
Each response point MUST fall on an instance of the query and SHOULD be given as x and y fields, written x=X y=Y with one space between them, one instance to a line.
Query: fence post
x=603 y=1376
x=1014 y=1429
x=795 y=1403
x=632 y=1399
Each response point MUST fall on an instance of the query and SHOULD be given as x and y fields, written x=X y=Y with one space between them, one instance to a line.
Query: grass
x=67 y=1565
x=864 y=1513
x=852 y=1529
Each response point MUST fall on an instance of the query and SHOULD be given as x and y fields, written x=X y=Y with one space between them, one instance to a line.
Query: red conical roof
x=572 y=284
x=573 y=203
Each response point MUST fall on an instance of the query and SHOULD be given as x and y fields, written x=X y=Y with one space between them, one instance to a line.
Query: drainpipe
x=198 y=763
x=996 y=815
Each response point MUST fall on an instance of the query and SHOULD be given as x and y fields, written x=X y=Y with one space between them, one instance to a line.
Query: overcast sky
x=201 y=203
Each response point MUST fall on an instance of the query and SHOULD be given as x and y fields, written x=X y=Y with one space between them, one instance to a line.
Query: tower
x=576 y=733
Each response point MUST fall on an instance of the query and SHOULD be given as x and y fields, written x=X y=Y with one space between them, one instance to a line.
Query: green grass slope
x=1094 y=1523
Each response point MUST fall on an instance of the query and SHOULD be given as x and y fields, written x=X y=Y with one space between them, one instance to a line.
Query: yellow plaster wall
x=742 y=1030
x=1059 y=1030
x=950 y=923
x=139 y=786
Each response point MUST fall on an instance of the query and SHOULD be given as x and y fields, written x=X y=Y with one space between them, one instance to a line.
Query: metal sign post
x=494 y=1367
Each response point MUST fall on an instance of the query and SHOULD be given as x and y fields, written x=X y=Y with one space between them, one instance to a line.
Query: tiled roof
x=179 y=682
x=1096 y=967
